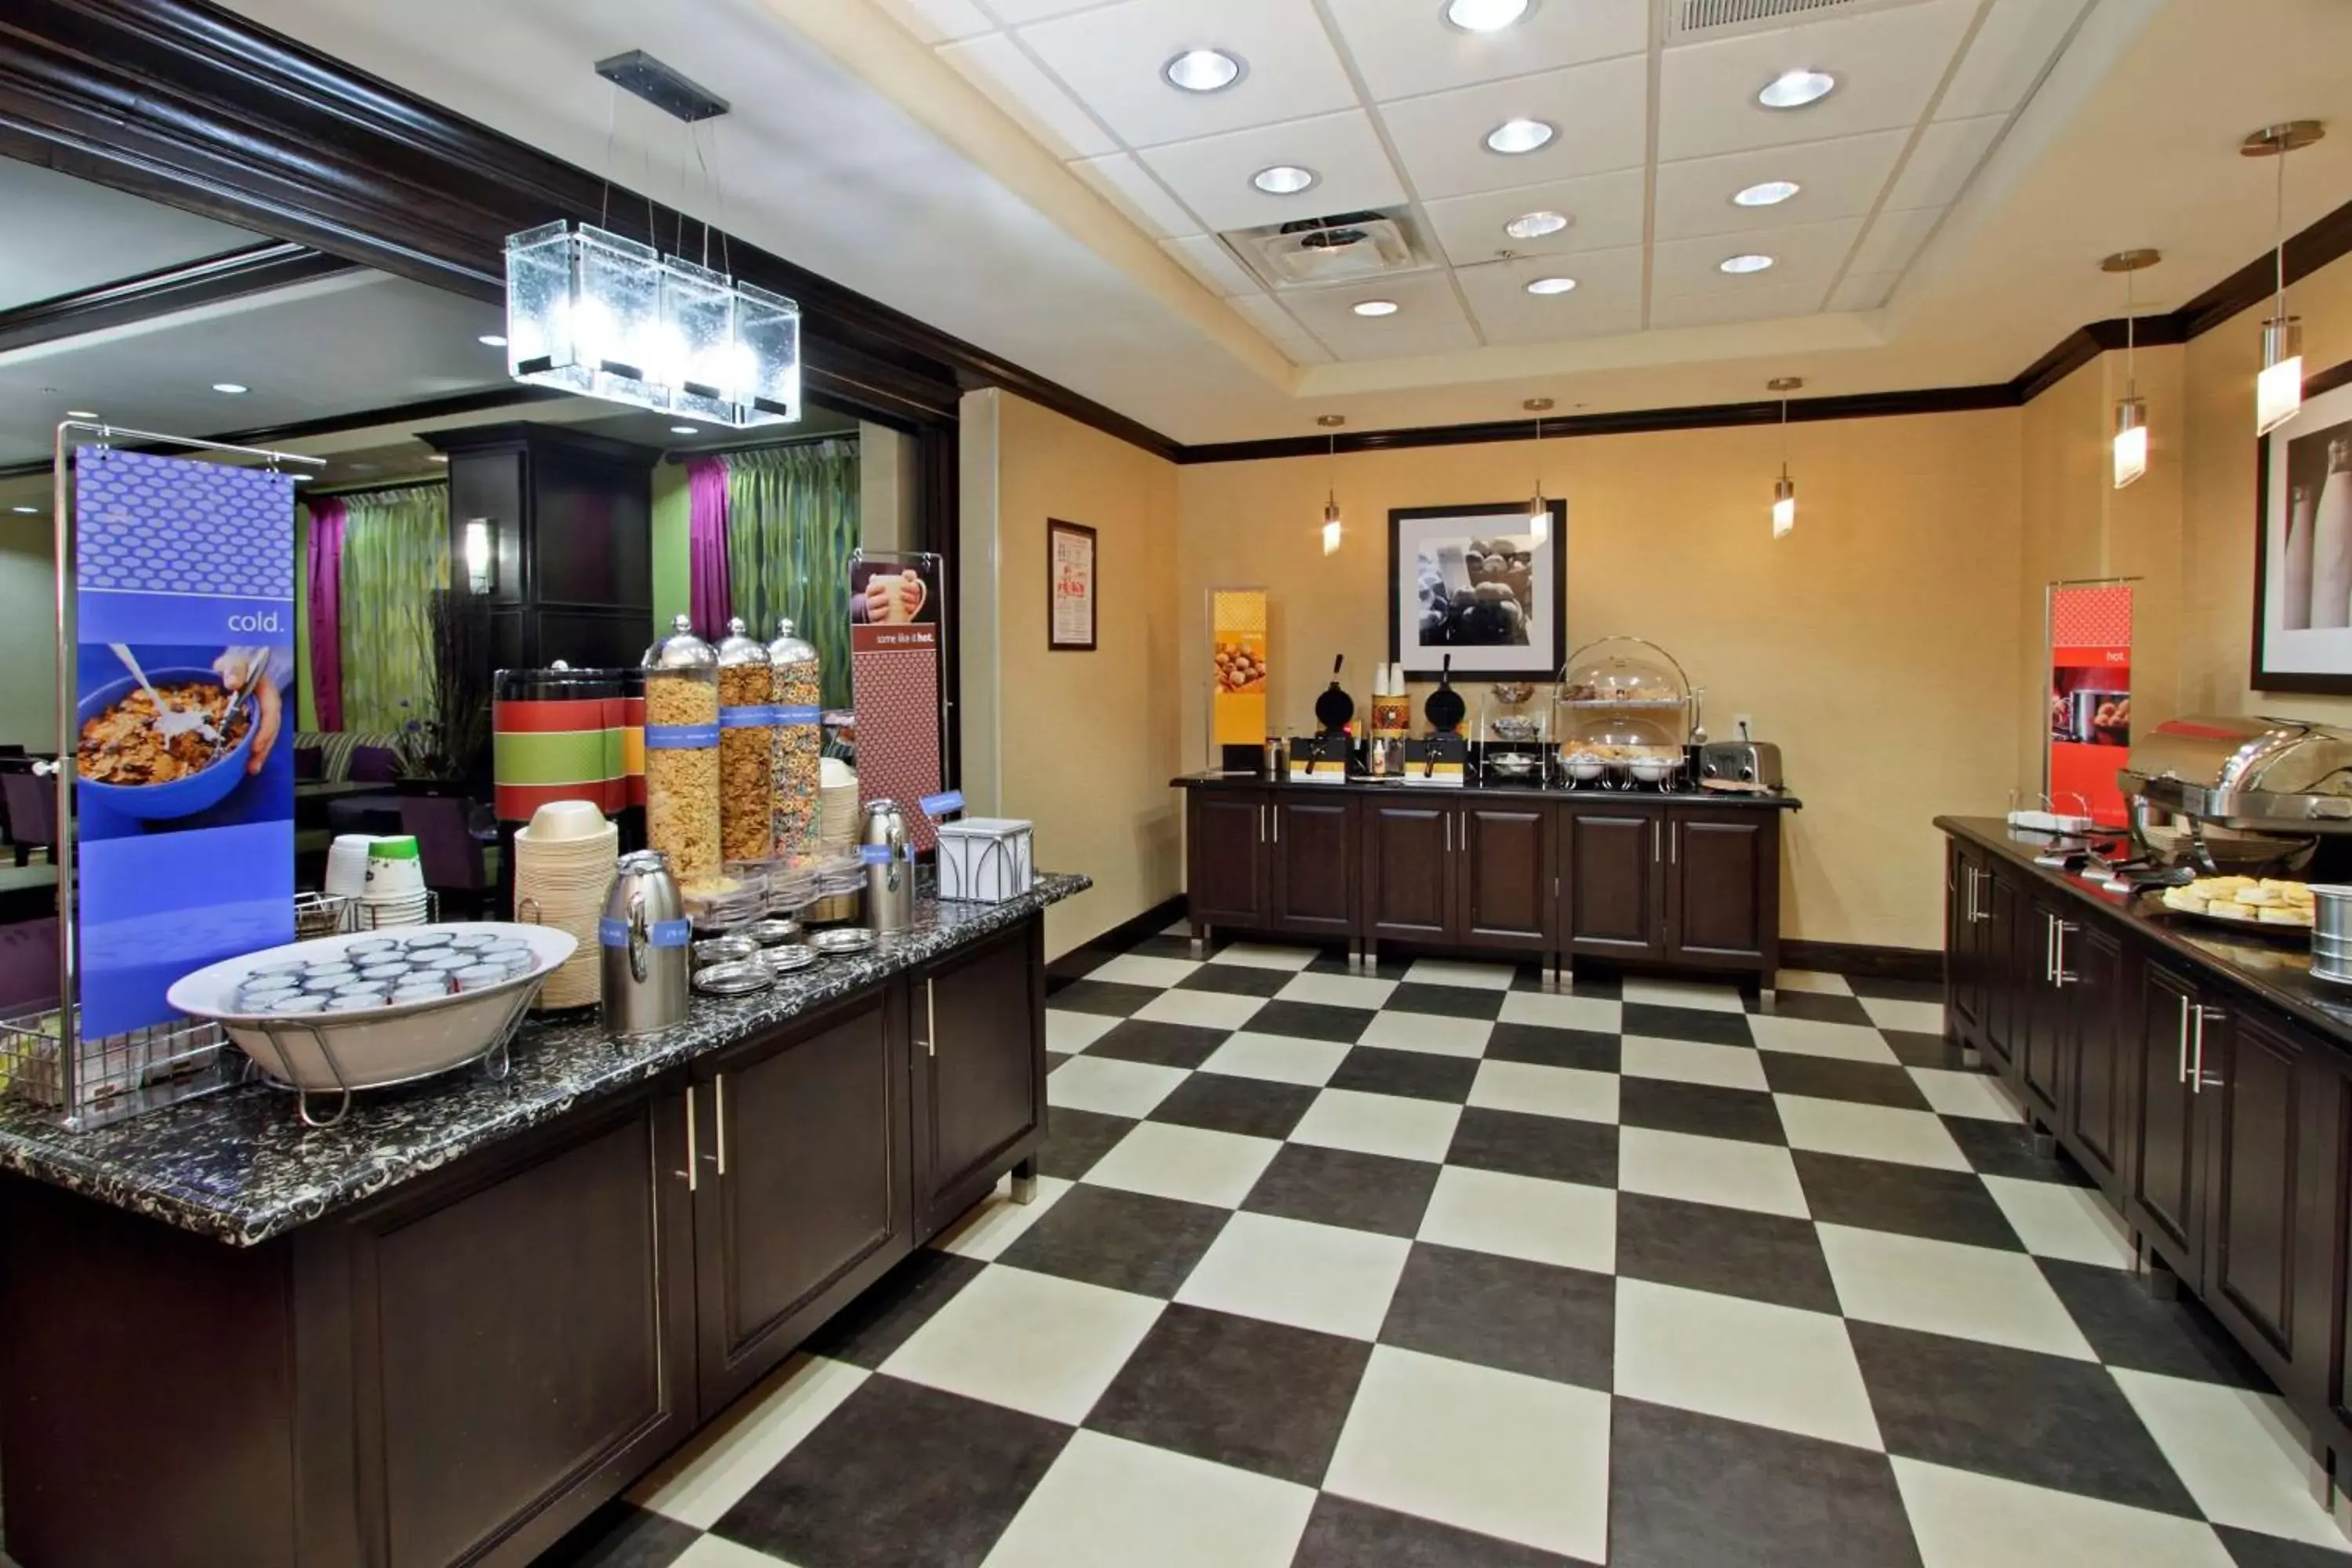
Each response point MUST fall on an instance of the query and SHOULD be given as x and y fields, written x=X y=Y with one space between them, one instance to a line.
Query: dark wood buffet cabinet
x=2210 y=1099
x=464 y=1368
x=1644 y=879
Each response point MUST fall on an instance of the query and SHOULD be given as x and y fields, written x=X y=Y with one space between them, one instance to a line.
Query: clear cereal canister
x=747 y=746
x=682 y=753
x=800 y=743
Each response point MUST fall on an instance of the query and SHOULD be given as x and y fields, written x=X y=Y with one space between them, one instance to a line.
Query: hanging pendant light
x=1784 y=488
x=1332 y=527
x=1539 y=510
x=2130 y=451
x=2278 y=391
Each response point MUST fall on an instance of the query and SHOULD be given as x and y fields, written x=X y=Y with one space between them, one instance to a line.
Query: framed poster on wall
x=1482 y=586
x=1069 y=585
x=2302 y=545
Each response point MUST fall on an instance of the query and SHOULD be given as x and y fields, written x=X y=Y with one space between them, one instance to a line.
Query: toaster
x=1741 y=762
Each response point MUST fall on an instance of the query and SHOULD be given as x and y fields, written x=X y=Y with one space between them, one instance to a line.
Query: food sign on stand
x=184 y=797
x=893 y=666
x=1237 y=695
x=2090 y=698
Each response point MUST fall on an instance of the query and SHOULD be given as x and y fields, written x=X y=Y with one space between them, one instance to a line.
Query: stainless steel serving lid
x=736 y=649
x=2282 y=774
x=681 y=651
x=790 y=646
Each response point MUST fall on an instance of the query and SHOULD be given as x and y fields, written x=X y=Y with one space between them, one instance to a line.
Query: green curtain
x=793 y=523
x=395 y=553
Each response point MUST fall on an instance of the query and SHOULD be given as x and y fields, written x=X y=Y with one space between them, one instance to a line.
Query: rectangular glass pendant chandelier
x=596 y=313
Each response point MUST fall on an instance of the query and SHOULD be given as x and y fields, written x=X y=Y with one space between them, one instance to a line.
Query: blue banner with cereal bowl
x=184 y=795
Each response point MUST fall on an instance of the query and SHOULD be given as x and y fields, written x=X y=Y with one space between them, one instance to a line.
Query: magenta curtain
x=706 y=480
x=327 y=609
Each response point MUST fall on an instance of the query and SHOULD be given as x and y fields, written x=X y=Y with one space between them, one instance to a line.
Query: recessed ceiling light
x=437 y=457
x=1535 y=226
x=1519 y=136
x=1551 y=285
x=686 y=429
x=82 y=413
x=1796 y=88
x=26 y=511
x=1484 y=15
x=492 y=339
x=1770 y=193
x=1283 y=180
x=1751 y=262
x=233 y=389
x=1376 y=307
x=1203 y=70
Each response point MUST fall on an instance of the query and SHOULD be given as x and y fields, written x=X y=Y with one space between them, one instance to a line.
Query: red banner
x=2090 y=698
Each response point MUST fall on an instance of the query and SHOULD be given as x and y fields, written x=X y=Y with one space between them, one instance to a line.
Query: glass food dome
x=1623 y=701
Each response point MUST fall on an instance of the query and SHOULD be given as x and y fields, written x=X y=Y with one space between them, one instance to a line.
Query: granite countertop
x=241 y=1167
x=2275 y=970
x=1780 y=800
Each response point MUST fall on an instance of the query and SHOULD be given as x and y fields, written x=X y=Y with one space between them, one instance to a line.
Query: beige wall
x=1874 y=645
x=1082 y=744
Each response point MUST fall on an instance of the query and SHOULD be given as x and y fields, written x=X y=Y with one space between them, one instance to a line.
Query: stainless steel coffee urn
x=889 y=870
x=647 y=942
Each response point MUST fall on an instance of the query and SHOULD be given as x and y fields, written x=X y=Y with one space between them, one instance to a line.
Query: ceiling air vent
x=1689 y=21
x=1345 y=248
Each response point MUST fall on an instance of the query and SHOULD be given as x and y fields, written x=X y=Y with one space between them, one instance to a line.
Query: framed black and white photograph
x=1478 y=583
x=2302 y=550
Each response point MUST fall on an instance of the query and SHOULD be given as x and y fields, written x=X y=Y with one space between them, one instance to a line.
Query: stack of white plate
x=393 y=893
x=563 y=868
x=837 y=803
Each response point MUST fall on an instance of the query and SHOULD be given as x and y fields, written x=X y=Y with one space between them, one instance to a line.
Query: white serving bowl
x=1653 y=770
x=378 y=1046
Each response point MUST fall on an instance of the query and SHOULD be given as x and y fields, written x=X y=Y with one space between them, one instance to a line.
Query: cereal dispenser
x=747 y=746
x=799 y=743
x=682 y=817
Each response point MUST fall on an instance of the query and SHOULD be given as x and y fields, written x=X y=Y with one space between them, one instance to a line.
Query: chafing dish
x=2231 y=793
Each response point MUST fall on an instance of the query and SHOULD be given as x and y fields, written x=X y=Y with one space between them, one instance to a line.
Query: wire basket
x=118 y=1076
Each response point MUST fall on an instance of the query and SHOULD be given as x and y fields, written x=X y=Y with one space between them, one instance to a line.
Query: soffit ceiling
x=1978 y=159
x=1388 y=104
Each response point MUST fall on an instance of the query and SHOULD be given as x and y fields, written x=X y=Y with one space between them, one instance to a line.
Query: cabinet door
x=1610 y=882
x=1226 y=860
x=2009 y=974
x=2098 y=1097
x=2164 y=1180
x=1723 y=888
x=980 y=1071
x=2322 y=1362
x=2042 y=1025
x=1964 y=922
x=511 y=1341
x=2253 y=1081
x=1409 y=870
x=1505 y=875
x=1314 y=855
x=803 y=1194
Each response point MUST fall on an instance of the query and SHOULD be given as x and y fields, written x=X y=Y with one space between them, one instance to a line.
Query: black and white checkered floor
x=1439 y=1270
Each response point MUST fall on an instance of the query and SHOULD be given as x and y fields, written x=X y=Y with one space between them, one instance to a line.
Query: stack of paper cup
x=347 y=860
x=565 y=860
x=837 y=815
x=392 y=893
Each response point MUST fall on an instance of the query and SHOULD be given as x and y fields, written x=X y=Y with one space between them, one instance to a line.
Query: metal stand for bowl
x=346 y=1084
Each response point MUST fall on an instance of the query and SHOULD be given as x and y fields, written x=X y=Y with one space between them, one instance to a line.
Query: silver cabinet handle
x=2184 y=1040
x=2197 y=1054
x=930 y=1020
x=693 y=1178
x=1655 y=854
x=1261 y=822
x=2058 y=975
x=719 y=1119
x=2049 y=946
x=1274 y=813
x=1674 y=844
x=1447 y=818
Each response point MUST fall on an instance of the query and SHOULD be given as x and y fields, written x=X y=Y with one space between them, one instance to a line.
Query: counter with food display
x=233 y=1337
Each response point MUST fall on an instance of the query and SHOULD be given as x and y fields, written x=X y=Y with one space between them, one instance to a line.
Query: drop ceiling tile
x=1431 y=322
x=1604 y=210
x=1601 y=111
x=1129 y=186
x=1804 y=255
x=937 y=21
x=1211 y=176
x=1771 y=303
x=1607 y=297
x=1946 y=157
x=1403 y=47
x=993 y=64
x=1895 y=238
x=1278 y=324
x=1208 y=259
x=1015 y=12
x=1862 y=290
x=1111 y=60
x=1887 y=63
x=2014 y=46
x=1840 y=178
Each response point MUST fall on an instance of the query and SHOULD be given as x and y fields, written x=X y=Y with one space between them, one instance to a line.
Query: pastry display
x=2247 y=901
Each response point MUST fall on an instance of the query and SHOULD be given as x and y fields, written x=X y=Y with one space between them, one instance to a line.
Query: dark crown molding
x=254 y=269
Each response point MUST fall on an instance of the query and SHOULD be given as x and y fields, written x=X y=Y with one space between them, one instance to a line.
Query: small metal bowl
x=842 y=940
x=772 y=933
x=1512 y=765
x=1514 y=727
x=791 y=960
x=733 y=979
x=725 y=949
